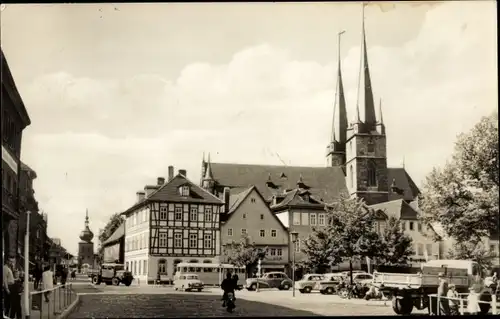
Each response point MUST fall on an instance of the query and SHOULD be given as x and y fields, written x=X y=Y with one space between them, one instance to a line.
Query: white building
x=171 y=222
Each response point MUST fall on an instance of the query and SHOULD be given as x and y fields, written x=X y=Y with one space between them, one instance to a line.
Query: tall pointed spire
x=339 y=104
x=203 y=159
x=86 y=217
x=365 y=93
x=380 y=112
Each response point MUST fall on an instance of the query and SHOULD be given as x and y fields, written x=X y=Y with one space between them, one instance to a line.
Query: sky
x=118 y=92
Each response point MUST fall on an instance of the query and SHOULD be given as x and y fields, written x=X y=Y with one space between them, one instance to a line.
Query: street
x=149 y=301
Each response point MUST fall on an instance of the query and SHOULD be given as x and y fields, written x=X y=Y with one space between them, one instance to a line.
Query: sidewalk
x=59 y=300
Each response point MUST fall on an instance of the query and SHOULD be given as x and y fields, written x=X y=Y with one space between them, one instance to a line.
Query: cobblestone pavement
x=168 y=303
x=172 y=305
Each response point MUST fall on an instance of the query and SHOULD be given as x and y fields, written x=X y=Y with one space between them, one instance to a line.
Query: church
x=356 y=163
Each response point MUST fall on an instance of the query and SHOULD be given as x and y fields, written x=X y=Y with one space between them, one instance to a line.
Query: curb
x=70 y=308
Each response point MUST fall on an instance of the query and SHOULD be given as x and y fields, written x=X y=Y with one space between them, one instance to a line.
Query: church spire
x=339 y=104
x=365 y=93
x=380 y=112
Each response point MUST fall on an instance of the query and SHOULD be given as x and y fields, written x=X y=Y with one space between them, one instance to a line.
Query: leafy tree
x=321 y=253
x=244 y=253
x=397 y=245
x=463 y=196
x=351 y=229
x=114 y=222
x=473 y=251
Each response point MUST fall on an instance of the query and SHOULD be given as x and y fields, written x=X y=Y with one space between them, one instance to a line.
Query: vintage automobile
x=330 y=283
x=112 y=274
x=269 y=280
x=188 y=282
x=308 y=283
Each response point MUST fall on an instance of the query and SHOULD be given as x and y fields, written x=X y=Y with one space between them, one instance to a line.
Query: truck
x=413 y=290
x=111 y=274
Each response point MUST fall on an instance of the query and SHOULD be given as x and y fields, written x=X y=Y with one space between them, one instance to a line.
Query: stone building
x=356 y=164
x=86 y=246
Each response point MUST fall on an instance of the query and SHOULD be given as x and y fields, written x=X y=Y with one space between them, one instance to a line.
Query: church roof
x=324 y=183
x=397 y=208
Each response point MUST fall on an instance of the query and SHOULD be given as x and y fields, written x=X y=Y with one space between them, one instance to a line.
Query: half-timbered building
x=177 y=221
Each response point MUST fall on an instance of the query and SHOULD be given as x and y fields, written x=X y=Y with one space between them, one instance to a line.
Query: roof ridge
x=241 y=198
x=272 y=165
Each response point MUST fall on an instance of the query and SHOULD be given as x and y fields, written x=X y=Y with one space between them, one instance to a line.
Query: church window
x=351 y=171
x=372 y=174
x=371 y=146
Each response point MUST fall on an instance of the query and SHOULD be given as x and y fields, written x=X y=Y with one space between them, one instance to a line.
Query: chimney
x=183 y=172
x=170 y=173
x=227 y=195
x=149 y=189
x=161 y=181
x=140 y=196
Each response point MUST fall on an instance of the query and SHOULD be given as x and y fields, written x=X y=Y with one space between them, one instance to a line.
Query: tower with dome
x=86 y=246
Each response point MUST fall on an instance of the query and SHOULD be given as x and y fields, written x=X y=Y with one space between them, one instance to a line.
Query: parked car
x=269 y=280
x=188 y=282
x=308 y=283
x=112 y=274
x=362 y=278
x=329 y=284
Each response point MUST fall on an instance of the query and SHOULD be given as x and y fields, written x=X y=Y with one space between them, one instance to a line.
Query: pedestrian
x=235 y=279
x=48 y=282
x=15 y=296
x=64 y=277
x=473 y=302
x=37 y=275
x=453 y=302
x=8 y=282
x=73 y=275
x=442 y=293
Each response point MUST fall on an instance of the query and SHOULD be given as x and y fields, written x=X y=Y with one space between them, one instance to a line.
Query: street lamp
x=294 y=236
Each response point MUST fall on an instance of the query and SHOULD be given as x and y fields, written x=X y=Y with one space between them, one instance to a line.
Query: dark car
x=270 y=280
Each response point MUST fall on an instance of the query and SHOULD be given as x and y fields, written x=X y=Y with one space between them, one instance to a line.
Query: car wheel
x=286 y=286
x=127 y=283
x=329 y=291
x=301 y=291
x=115 y=281
x=95 y=280
x=307 y=290
x=253 y=287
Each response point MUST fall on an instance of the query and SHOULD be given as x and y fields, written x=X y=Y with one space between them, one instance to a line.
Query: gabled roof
x=237 y=199
x=397 y=208
x=297 y=198
x=116 y=236
x=170 y=192
x=324 y=183
x=240 y=199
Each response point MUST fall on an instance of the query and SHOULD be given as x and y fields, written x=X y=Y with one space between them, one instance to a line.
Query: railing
x=493 y=303
x=49 y=303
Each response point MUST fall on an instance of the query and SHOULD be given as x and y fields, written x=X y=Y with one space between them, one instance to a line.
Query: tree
x=351 y=229
x=397 y=245
x=114 y=222
x=463 y=196
x=473 y=251
x=244 y=253
x=321 y=253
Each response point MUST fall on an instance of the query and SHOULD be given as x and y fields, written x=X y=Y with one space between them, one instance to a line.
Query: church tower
x=366 y=153
x=335 y=151
x=208 y=182
x=86 y=246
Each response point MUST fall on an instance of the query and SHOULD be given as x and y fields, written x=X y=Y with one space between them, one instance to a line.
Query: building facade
x=114 y=246
x=356 y=164
x=177 y=221
x=14 y=120
x=250 y=218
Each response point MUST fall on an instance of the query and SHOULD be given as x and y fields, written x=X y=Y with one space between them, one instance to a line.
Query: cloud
x=95 y=142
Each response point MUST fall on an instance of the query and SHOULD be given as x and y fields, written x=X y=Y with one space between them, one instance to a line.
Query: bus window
x=198 y=269
x=184 y=269
x=207 y=270
x=191 y=269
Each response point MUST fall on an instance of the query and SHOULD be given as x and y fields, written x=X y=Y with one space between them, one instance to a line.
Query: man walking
x=8 y=284
x=37 y=275
x=48 y=282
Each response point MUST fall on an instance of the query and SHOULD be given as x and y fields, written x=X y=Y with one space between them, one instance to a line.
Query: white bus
x=211 y=274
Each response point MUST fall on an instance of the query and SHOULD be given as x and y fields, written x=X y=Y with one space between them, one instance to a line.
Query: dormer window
x=184 y=190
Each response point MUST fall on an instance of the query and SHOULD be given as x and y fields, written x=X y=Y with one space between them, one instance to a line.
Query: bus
x=211 y=274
